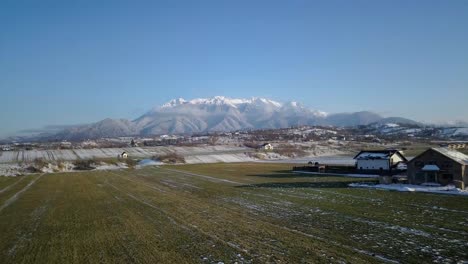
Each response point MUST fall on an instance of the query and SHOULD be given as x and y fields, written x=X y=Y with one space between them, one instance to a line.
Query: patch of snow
x=391 y=125
x=430 y=168
x=372 y=155
x=148 y=162
x=449 y=189
x=105 y=166
x=453 y=154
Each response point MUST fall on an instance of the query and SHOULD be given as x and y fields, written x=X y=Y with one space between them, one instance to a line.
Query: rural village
x=402 y=156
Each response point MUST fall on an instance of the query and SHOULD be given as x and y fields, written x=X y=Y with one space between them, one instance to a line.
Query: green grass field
x=244 y=213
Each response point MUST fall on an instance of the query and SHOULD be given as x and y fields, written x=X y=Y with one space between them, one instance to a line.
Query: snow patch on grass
x=449 y=189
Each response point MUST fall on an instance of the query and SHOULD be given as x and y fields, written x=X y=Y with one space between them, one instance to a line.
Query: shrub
x=131 y=163
x=32 y=169
x=251 y=145
x=40 y=163
x=171 y=158
x=84 y=164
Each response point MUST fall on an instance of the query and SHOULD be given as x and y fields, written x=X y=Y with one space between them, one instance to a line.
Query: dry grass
x=171 y=158
x=289 y=150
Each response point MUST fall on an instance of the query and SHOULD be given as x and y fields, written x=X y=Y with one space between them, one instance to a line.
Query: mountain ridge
x=217 y=114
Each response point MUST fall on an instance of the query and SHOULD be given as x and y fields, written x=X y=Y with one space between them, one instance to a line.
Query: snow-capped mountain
x=221 y=100
x=223 y=114
x=219 y=113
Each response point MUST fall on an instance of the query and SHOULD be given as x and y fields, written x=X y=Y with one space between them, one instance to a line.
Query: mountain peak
x=174 y=102
x=221 y=100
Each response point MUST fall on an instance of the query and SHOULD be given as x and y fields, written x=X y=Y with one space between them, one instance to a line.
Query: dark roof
x=376 y=154
x=449 y=153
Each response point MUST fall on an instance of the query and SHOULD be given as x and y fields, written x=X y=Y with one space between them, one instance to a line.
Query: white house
x=379 y=159
x=267 y=146
x=124 y=155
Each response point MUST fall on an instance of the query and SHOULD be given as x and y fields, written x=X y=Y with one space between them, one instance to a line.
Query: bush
x=131 y=163
x=251 y=145
x=32 y=169
x=40 y=163
x=84 y=165
x=171 y=158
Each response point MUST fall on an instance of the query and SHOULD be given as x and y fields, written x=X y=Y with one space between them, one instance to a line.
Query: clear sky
x=69 y=62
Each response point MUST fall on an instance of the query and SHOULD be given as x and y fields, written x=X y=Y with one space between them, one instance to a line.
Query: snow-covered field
x=138 y=152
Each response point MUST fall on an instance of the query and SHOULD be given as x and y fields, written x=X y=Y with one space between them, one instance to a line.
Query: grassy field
x=244 y=213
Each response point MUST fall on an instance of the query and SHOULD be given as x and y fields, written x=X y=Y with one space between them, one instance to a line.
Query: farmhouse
x=385 y=160
x=439 y=165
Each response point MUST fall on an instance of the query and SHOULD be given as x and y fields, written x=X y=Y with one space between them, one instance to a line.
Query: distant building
x=457 y=145
x=6 y=148
x=124 y=155
x=65 y=144
x=267 y=146
x=439 y=165
x=379 y=160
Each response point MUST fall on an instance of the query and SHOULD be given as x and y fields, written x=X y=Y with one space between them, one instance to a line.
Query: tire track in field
x=178 y=222
x=319 y=238
x=213 y=179
x=179 y=177
x=406 y=229
x=16 y=195
x=131 y=180
x=11 y=185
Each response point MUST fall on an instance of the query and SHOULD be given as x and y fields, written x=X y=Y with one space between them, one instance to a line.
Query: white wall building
x=379 y=159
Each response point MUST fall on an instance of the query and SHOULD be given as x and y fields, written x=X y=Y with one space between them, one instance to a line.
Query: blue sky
x=68 y=62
